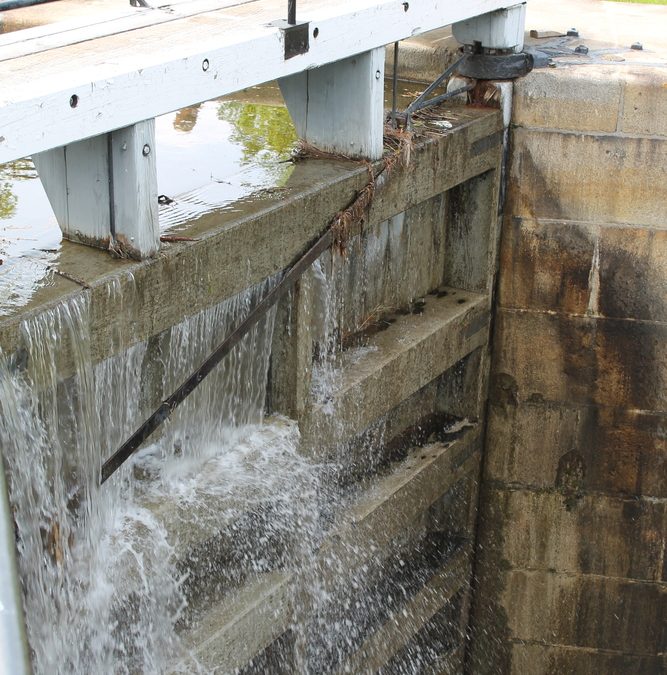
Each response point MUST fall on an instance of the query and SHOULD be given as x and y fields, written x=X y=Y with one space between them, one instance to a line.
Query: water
x=117 y=578
x=209 y=156
x=100 y=579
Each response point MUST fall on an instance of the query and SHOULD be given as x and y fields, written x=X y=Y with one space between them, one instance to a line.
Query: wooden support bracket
x=339 y=107
x=501 y=29
x=103 y=190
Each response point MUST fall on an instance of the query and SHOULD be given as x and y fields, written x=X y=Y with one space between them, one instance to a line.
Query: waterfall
x=99 y=579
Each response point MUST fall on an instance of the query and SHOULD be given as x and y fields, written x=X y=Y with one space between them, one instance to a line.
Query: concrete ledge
x=402 y=626
x=232 y=253
x=243 y=625
x=231 y=632
x=212 y=536
x=389 y=506
x=401 y=360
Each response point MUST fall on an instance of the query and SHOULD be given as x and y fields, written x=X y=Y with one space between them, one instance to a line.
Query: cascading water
x=115 y=577
x=102 y=591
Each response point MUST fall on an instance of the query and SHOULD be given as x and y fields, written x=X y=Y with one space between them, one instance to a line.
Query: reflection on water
x=186 y=119
x=20 y=170
x=29 y=234
x=233 y=148
x=209 y=156
x=265 y=133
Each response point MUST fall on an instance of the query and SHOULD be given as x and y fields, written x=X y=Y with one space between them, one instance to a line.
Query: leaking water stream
x=113 y=575
x=115 y=579
x=91 y=558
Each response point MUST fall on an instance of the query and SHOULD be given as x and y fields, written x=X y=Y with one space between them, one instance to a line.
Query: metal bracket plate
x=296 y=38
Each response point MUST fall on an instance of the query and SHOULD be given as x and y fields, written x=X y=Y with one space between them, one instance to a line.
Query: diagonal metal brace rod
x=168 y=406
x=443 y=97
x=420 y=101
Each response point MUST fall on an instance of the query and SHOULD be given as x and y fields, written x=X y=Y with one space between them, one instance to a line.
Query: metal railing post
x=291 y=12
x=13 y=642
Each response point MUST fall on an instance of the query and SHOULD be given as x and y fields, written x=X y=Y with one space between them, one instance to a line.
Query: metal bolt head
x=204 y=65
x=581 y=49
x=378 y=74
x=637 y=45
x=573 y=32
x=146 y=150
x=124 y=147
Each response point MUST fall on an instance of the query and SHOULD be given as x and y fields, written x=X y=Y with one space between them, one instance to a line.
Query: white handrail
x=14 y=658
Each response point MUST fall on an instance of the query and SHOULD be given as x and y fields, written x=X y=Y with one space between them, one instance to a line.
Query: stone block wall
x=571 y=569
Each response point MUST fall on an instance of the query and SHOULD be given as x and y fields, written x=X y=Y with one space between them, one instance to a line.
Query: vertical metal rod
x=291 y=12
x=13 y=644
x=394 y=86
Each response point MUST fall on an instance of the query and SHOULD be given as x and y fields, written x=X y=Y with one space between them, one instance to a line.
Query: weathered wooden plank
x=496 y=30
x=76 y=181
x=143 y=73
x=339 y=107
x=52 y=169
x=134 y=190
x=103 y=190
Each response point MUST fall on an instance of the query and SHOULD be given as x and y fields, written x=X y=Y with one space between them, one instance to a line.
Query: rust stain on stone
x=530 y=190
x=570 y=478
x=545 y=266
x=504 y=390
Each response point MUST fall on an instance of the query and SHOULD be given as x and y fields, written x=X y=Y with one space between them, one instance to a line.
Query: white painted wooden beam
x=103 y=190
x=134 y=190
x=76 y=181
x=501 y=29
x=133 y=75
x=339 y=107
